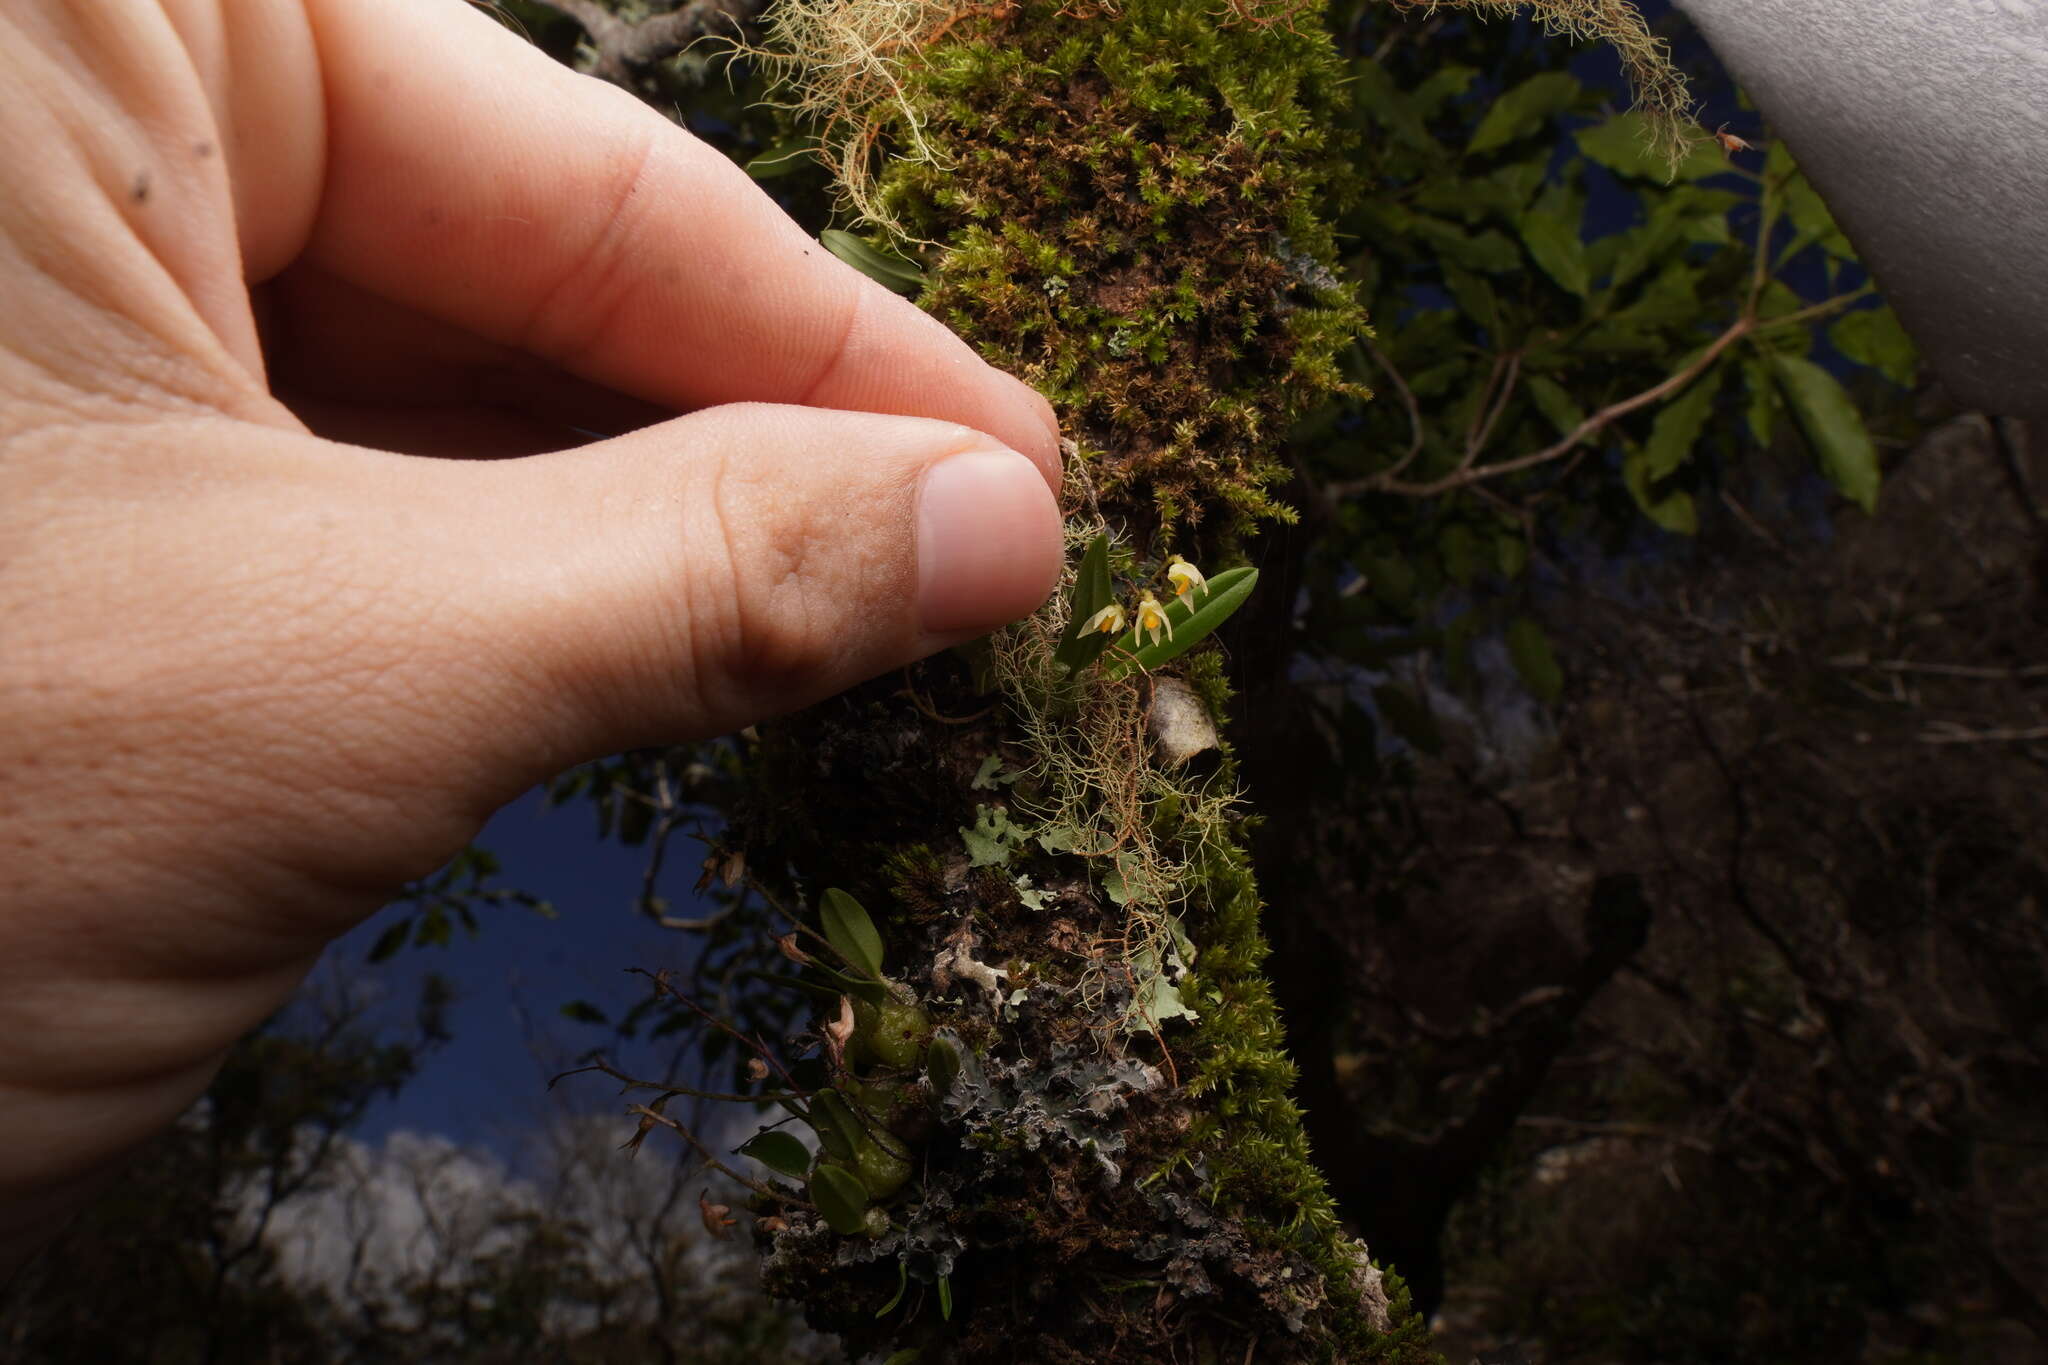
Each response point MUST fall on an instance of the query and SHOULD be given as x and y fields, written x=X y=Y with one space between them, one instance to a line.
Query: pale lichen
x=1669 y=126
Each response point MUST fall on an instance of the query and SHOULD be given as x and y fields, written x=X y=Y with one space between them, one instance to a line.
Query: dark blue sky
x=512 y=978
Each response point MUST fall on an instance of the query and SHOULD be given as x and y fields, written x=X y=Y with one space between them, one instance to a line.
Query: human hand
x=260 y=662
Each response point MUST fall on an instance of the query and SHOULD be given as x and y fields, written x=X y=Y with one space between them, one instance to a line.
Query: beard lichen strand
x=838 y=66
x=1126 y=205
x=1661 y=93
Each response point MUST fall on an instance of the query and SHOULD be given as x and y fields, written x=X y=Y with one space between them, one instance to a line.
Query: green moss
x=1133 y=216
x=916 y=878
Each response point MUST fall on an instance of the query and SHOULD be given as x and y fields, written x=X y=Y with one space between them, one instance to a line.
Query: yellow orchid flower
x=1186 y=579
x=1152 y=619
x=1108 y=621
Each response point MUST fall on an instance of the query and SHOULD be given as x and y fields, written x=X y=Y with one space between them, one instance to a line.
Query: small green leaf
x=851 y=933
x=1458 y=549
x=902 y=1283
x=779 y=1152
x=1092 y=592
x=1673 y=509
x=433 y=927
x=1763 y=400
x=1641 y=246
x=941 y=1066
x=1811 y=220
x=835 y=1123
x=1555 y=402
x=1622 y=144
x=1678 y=424
x=390 y=941
x=1511 y=553
x=1847 y=455
x=946 y=1297
x=1475 y=297
x=1521 y=111
x=1227 y=592
x=985 y=776
x=1671 y=443
x=583 y=1012
x=1873 y=337
x=1445 y=83
x=884 y=268
x=909 y=1355
x=1490 y=251
x=636 y=818
x=841 y=1197
x=1530 y=648
x=1375 y=94
x=782 y=159
x=1556 y=247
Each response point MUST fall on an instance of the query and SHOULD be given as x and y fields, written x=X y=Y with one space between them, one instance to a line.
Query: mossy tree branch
x=1130 y=209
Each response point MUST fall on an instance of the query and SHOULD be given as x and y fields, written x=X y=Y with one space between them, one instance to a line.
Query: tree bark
x=1127 y=207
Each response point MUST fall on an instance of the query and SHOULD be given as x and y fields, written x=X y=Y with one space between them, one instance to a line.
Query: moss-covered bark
x=1126 y=205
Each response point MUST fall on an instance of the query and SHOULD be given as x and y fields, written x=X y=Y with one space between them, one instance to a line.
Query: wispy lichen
x=1660 y=89
x=838 y=68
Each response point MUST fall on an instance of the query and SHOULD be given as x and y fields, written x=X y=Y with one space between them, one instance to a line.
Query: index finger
x=477 y=181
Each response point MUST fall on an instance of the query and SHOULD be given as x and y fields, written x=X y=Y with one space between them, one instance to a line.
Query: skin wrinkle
x=764 y=656
x=603 y=270
x=257 y=47
x=834 y=357
x=201 y=269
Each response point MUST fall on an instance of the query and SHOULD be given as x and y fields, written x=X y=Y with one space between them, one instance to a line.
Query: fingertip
x=988 y=541
x=1043 y=443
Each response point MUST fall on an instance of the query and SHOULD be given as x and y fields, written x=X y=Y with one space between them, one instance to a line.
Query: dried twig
x=1469 y=472
x=1949 y=732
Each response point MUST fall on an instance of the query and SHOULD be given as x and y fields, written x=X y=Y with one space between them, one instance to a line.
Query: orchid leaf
x=885 y=268
x=782 y=1153
x=1227 y=592
x=851 y=932
x=841 y=1197
x=1092 y=591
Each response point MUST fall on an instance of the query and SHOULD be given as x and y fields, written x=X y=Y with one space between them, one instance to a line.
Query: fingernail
x=988 y=541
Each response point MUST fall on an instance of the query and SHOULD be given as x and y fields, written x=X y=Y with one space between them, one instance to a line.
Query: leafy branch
x=1470 y=471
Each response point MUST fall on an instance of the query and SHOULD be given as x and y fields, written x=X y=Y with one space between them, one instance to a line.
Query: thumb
x=695 y=576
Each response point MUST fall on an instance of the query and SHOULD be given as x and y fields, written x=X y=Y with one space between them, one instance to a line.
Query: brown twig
x=662 y=986
x=1500 y=385
x=1948 y=732
x=1938 y=670
x=1468 y=473
x=669 y=1088
x=648 y=1113
x=1416 y=431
